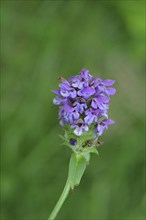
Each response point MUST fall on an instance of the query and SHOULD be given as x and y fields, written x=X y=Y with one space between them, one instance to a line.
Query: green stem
x=60 y=201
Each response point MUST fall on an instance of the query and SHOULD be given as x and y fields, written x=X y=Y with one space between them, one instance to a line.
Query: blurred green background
x=42 y=40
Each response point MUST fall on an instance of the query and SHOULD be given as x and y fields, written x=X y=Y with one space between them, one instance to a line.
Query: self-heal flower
x=99 y=128
x=85 y=98
x=79 y=126
x=68 y=114
x=76 y=82
x=80 y=105
x=90 y=117
x=66 y=90
x=83 y=102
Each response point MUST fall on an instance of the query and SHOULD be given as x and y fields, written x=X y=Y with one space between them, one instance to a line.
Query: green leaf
x=92 y=150
x=86 y=155
x=77 y=167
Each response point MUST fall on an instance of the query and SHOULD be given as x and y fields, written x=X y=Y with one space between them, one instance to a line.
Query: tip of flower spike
x=84 y=71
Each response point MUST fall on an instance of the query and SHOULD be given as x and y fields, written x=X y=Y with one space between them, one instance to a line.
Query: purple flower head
x=84 y=101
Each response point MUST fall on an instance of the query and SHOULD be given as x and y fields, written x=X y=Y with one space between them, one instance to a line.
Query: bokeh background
x=42 y=40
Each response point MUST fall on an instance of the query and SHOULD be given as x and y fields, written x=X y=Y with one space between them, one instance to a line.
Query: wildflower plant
x=83 y=102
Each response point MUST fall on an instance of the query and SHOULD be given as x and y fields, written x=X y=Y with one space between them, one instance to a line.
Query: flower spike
x=83 y=102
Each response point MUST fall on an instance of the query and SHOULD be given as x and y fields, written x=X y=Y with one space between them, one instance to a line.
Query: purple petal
x=95 y=81
x=65 y=81
x=64 y=93
x=103 y=106
x=62 y=122
x=87 y=92
x=108 y=121
x=89 y=119
x=99 y=128
x=78 y=131
x=73 y=93
x=57 y=100
x=94 y=103
x=78 y=85
x=64 y=86
x=80 y=107
x=84 y=73
x=101 y=88
x=70 y=118
x=108 y=82
x=103 y=98
x=74 y=78
x=76 y=115
x=76 y=82
x=67 y=108
x=74 y=126
x=85 y=127
x=111 y=91
x=56 y=91
x=104 y=114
